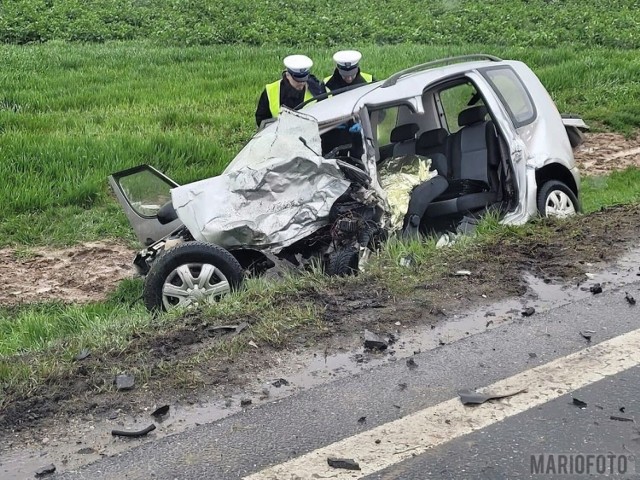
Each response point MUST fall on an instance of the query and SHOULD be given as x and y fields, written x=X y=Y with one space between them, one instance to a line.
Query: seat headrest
x=404 y=132
x=472 y=115
x=431 y=138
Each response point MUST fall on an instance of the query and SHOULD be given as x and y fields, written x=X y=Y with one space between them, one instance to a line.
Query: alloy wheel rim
x=193 y=284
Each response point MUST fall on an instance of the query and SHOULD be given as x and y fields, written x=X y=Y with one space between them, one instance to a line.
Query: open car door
x=142 y=191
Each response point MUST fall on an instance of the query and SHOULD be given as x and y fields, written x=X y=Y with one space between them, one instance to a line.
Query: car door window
x=456 y=99
x=512 y=93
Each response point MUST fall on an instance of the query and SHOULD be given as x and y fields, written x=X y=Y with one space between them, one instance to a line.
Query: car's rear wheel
x=189 y=275
x=556 y=199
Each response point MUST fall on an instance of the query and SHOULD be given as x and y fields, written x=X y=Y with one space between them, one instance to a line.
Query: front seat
x=474 y=159
x=403 y=141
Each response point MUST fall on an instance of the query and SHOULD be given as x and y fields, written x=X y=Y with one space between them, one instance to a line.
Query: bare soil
x=602 y=153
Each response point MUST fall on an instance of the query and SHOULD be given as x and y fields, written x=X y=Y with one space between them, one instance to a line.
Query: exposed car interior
x=457 y=133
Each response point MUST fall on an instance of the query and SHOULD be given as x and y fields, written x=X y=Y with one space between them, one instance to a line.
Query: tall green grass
x=72 y=114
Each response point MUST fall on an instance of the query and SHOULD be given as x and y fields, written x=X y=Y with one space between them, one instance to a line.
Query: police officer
x=347 y=71
x=296 y=86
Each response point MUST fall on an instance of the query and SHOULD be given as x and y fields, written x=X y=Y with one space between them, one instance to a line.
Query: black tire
x=554 y=189
x=343 y=262
x=193 y=255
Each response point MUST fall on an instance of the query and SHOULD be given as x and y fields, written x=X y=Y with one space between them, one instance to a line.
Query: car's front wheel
x=556 y=199
x=189 y=275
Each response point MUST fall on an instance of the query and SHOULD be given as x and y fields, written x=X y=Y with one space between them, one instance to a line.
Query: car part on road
x=139 y=433
x=191 y=274
x=344 y=463
x=595 y=289
x=527 y=312
x=579 y=403
x=160 y=411
x=557 y=200
x=629 y=298
x=468 y=397
x=49 y=469
x=373 y=341
x=586 y=334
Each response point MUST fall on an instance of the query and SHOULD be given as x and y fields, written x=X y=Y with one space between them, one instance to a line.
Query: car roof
x=407 y=85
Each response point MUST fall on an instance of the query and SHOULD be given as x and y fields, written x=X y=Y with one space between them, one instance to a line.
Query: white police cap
x=298 y=66
x=347 y=59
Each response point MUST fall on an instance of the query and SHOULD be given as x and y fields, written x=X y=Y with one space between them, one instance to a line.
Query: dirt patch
x=602 y=153
x=83 y=273
x=553 y=251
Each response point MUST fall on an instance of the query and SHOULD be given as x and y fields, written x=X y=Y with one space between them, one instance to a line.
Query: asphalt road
x=277 y=432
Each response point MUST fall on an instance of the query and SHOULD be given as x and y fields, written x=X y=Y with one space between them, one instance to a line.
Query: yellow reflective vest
x=273 y=94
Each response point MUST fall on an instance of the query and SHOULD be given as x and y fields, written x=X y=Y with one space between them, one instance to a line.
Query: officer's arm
x=263 y=111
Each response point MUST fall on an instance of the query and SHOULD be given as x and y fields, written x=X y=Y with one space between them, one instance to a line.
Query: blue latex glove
x=355 y=128
x=342 y=126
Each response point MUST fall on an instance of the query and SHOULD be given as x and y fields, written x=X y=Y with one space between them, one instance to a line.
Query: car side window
x=512 y=93
x=385 y=121
x=456 y=99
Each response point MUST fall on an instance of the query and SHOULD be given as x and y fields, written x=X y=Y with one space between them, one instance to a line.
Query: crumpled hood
x=275 y=192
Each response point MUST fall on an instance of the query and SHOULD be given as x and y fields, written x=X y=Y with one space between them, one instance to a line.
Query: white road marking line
x=416 y=433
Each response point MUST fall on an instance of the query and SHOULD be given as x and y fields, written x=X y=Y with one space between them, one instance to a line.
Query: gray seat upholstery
x=404 y=139
x=473 y=154
x=433 y=144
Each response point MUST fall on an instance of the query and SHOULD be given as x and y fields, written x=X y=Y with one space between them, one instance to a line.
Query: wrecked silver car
x=430 y=149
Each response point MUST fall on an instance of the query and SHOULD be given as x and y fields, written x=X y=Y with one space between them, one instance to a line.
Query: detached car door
x=142 y=191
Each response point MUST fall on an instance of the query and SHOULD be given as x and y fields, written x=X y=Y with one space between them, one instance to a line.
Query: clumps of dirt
x=83 y=273
x=602 y=153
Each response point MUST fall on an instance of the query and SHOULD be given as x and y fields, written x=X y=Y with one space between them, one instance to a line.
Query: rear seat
x=473 y=166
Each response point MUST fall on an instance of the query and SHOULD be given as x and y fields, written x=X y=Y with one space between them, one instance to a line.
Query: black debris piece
x=486 y=325
x=82 y=355
x=621 y=409
x=362 y=420
x=532 y=355
x=595 y=289
x=124 y=382
x=378 y=441
x=469 y=397
x=245 y=402
x=127 y=433
x=86 y=451
x=586 y=334
x=373 y=341
x=41 y=472
x=621 y=419
x=396 y=405
x=490 y=314
x=281 y=382
x=160 y=411
x=527 y=312
x=629 y=298
x=411 y=363
x=579 y=403
x=345 y=463
x=402 y=386
x=441 y=342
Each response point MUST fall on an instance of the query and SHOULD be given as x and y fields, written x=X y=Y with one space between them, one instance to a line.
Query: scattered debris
x=345 y=463
x=86 y=451
x=407 y=261
x=527 y=312
x=245 y=402
x=253 y=344
x=127 y=433
x=462 y=273
x=595 y=289
x=241 y=327
x=82 y=355
x=378 y=441
x=621 y=419
x=373 y=341
x=281 y=382
x=621 y=409
x=362 y=420
x=490 y=322
x=441 y=342
x=586 y=334
x=590 y=276
x=221 y=329
x=532 y=355
x=402 y=386
x=124 y=382
x=579 y=403
x=397 y=406
x=411 y=363
x=160 y=411
x=113 y=415
x=41 y=472
x=629 y=298
x=468 y=397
